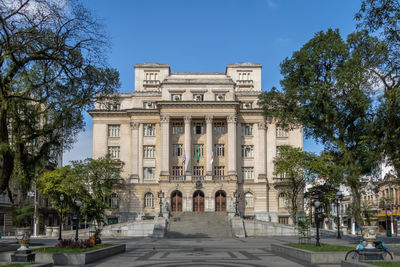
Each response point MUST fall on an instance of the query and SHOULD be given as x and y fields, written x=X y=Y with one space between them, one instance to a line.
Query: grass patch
x=16 y=264
x=70 y=250
x=322 y=248
x=384 y=263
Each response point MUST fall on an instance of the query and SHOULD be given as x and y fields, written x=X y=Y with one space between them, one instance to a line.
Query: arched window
x=114 y=201
x=249 y=200
x=282 y=201
x=148 y=200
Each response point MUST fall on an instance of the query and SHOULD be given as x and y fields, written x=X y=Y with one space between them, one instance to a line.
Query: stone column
x=164 y=121
x=271 y=149
x=140 y=153
x=188 y=146
x=209 y=147
x=135 y=150
x=261 y=161
x=232 y=151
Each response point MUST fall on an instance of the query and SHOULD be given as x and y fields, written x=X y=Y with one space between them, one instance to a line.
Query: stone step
x=199 y=224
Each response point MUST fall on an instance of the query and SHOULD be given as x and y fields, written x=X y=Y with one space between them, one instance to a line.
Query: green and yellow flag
x=198 y=155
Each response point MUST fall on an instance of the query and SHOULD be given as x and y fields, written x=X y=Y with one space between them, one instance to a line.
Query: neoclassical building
x=198 y=138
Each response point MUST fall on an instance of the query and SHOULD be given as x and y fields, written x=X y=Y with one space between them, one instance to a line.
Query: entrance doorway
x=220 y=201
x=176 y=201
x=198 y=201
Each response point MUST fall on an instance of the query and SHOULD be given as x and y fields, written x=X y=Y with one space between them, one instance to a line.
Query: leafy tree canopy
x=327 y=88
x=90 y=181
x=52 y=64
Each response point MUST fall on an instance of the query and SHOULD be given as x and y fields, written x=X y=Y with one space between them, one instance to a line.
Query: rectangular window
x=247 y=129
x=177 y=128
x=283 y=220
x=149 y=152
x=196 y=149
x=177 y=150
x=113 y=151
x=219 y=150
x=198 y=170
x=176 y=97
x=219 y=170
x=114 y=107
x=282 y=132
x=149 y=173
x=198 y=97
x=244 y=76
x=151 y=76
x=247 y=151
x=149 y=129
x=219 y=97
x=113 y=130
x=248 y=173
x=198 y=128
x=219 y=127
x=177 y=171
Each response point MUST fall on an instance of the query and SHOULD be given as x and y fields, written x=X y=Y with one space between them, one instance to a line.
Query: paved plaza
x=200 y=252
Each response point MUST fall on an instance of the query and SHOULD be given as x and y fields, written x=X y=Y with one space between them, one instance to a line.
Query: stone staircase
x=199 y=224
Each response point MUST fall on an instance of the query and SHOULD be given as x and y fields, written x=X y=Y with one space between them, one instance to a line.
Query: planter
x=23 y=236
x=369 y=235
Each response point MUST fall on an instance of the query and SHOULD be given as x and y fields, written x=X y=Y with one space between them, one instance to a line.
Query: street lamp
x=337 y=197
x=78 y=203
x=61 y=217
x=160 y=196
x=236 y=195
x=316 y=212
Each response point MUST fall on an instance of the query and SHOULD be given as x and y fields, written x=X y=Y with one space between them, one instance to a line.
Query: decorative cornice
x=196 y=104
x=232 y=119
x=164 y=119
x=247 y=93
x=146 y=93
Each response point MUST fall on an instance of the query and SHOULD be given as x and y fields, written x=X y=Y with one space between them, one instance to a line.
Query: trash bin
x=388 y=232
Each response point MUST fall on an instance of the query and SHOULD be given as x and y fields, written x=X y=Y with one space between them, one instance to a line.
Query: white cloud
x=82 y=149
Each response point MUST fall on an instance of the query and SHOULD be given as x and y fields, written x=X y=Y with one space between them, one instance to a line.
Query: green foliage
x=52 y=64
x=383 y=17
x=22 y=216
x=90 y=181
x=327 y=89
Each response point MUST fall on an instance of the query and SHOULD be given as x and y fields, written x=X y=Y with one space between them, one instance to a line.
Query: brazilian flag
x=198 y=155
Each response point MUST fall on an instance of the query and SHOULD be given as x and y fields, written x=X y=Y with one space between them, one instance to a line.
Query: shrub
x=70 y=243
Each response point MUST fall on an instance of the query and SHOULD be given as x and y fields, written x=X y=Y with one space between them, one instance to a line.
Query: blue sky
x=206 y=35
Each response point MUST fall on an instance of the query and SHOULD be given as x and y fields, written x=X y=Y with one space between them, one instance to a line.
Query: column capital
x=262 y=125
x=187 y=118
x=164 y=119
x=232 y=119
x=209 y=118
x=135 y=124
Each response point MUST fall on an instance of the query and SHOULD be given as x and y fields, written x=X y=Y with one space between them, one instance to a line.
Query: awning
x=384 y=215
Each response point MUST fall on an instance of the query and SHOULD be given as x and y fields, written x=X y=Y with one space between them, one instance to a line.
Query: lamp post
x=236 y=195
x=391 y=209
x=316 y=212
x=337 y=197
x=61 y=217
x=160 y=196
x=78 y=203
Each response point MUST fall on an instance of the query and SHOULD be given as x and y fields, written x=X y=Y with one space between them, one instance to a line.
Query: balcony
x=173 y=178
x=219 y=178
x=281 y=181
x=197 y=178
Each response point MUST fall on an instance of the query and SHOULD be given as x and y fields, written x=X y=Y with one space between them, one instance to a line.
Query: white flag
x=212 y=158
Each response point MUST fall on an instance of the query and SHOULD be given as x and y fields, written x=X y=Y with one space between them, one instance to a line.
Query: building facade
x=198 y=138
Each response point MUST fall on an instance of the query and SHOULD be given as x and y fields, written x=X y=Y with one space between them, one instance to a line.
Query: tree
x=289 y=165
x=52 y=64
x=326 y=88
x=383 y=16
x=90 y=181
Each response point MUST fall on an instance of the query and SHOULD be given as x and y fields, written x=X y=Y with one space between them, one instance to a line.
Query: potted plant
x=22 y=217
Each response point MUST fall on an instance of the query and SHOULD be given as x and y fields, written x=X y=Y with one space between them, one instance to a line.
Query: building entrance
x=220 y=201
x=198 y=201
x=176 y=201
